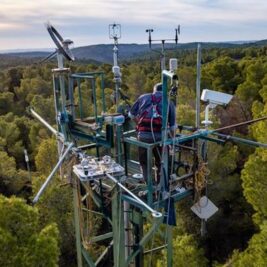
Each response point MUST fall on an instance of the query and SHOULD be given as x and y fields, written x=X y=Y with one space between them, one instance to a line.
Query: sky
x=86 y=21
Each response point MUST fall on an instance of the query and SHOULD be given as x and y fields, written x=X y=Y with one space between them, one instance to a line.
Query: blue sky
x=86 y=21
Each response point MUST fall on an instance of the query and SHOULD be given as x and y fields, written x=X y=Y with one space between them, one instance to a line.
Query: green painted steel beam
x=130 y=132
x=98 y=238
x=98 y=140
x=169 y=246
x=83 y=74
x=104 y=253
x=133 y=202
x=134 y=141
x=87 y=258
x=97 y=201
x=185 y=138
x=103 y=92
x=118 y=229
x=145 y=239
x=240 y=140
x=156 y=249
x=94 y=97
x=176 y=197
x=80 y=99
x=77 y=226
x=149 y=177
x=215 y=140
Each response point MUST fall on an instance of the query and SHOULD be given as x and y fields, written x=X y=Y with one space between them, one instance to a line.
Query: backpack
x=151 y=119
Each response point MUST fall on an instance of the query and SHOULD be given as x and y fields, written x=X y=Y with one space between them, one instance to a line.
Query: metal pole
x=163 y=60
x=198 y=86
x=241 y=140
x=116 y=79
x=77 y=224
x=164 y=161
x=155 y=213
x=118 y=229
x=94 y=98
x=44 y=122
x=126 y=208
x=103 y=92
x=169 y=246
x=52 y=173
x=240 y=124
x=27 y=162
x=60 y=59
x=71 y=97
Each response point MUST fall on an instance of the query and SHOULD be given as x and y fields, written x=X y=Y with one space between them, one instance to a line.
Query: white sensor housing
x=116 y=70
x=173 y=64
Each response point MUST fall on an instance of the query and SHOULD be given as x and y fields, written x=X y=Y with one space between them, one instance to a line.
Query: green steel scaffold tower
x=105 y=171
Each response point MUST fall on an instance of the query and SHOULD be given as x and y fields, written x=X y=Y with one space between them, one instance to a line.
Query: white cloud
x=84 y=18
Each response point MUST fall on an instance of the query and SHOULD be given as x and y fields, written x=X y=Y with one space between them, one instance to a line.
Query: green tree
x=6 y=102
x=185 y=253
x=22 y=242
x=10 y=136
x=56 y=203
x=223 y=74
x=46 y=157
x=256 y=253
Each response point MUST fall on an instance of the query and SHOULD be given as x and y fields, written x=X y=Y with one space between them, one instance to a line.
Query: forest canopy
x=237 y=234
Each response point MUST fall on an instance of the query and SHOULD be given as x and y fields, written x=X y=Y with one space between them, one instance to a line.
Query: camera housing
x=213 y=99
x=217 y=98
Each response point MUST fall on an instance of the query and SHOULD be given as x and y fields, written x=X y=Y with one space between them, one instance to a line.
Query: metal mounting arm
x=154 y=213
x=36 y=198
x=44 y=122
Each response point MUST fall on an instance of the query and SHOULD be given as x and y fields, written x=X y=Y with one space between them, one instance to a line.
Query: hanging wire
x=201 y=181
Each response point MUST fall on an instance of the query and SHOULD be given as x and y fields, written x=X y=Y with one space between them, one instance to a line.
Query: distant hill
x=103 y=53
x=7 y=61
x=29 y=54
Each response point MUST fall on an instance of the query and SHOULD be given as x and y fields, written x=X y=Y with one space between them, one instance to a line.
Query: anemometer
x=162 y=41
x=114 y=31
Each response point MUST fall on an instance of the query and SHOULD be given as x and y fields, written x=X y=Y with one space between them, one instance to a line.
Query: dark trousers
x=143 y=158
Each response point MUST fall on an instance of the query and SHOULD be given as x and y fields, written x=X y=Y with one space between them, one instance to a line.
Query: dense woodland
x=43 y=235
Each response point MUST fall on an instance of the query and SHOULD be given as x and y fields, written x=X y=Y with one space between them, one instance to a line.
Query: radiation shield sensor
x=204 y=208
